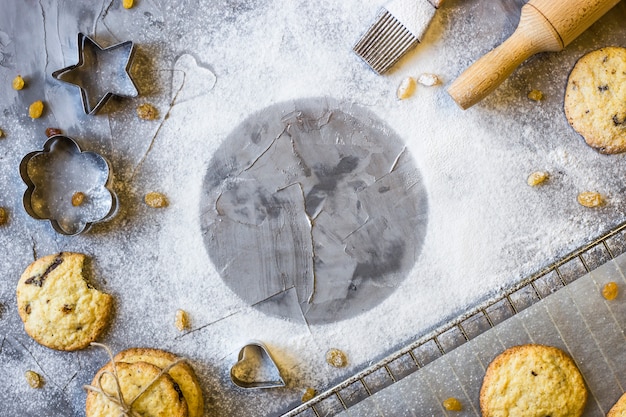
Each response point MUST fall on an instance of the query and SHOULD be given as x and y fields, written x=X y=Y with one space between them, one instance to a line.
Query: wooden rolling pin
x=545 y=25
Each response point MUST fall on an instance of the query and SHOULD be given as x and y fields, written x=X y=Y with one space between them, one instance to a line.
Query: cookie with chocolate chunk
x=595 y=99
x=59 y=308
x=533 y=381
x=619 y=408
x=183 y=374
x=144 y=390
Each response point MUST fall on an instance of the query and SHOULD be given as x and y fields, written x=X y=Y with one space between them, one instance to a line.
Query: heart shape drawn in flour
x=255 y=368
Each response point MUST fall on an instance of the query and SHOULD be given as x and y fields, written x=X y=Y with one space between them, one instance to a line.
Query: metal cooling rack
x=466 y=327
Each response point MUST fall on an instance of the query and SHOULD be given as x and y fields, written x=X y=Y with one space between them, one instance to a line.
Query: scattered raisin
x=452 y=404
x=535 y=95
x=67 y=308
x=590 y=199
x=182 y=320
x=428 y=80
x=603 y=88
x=78 y=198
x=127 y=4
x=18 y=83
x=156 y=200
x=610 y=290
x=4 y=216
x=309 y=393
x=537 y=178
x=35 y=110
x=147 y=111
x=53 y=131
x=336 y=358
x=34 y=379
x=406 y=88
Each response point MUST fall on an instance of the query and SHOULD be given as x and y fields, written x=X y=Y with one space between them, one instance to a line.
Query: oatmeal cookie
x=619 y=408
x=595 y=99
x=162 y=399
x=533 y=381
x=183 y=374
x=59 y=308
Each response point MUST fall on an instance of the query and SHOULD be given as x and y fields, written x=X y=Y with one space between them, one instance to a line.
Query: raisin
x=537 y=178
x=309 y=393
x=535 y=95
x=590 y=199
x=452 y=404
x=336 y=358
x=18 y=83
x=156 y=200
x=53 y=131
x=1 y=133
x=147 y=111
x=182 y=320
x=603 y=88
x=428 y=80
x=35 y=110
x=78 y=198
x=610 y=290
x=66 y=309
x=4 y=216
x=406 y=88
x=34 y=379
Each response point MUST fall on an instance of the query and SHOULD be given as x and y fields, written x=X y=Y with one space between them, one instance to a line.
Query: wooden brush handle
x=545 y=25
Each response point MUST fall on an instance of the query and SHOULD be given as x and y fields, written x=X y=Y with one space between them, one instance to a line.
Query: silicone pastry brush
x=399 y=26
x=545 y=25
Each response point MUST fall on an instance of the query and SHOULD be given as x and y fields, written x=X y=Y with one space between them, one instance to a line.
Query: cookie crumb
x=35 y=110
x=406 y=88
x=1 y=133
x=34 y=379
x=53 y=131
x=18 y=83
x=336 y=358
x=156 y=200
x=309 y=393
x=590 y=199
x=78 y=198
x=147 y=111
x=182 y=320
x=537 y=178
x=127 y=4
x=535 y=95
x=610 y=290
x=428 y=80
x=452 y=404
x=4 y=216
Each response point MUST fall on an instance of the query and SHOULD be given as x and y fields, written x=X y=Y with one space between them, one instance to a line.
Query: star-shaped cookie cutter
x=100 y=73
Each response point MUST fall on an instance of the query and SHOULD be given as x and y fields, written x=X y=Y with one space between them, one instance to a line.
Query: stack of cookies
x=146 y=390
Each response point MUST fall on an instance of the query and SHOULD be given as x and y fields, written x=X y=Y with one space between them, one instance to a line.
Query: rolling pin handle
x=533 y=34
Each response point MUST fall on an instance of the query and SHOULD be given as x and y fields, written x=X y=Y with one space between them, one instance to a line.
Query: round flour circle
x=313 y=210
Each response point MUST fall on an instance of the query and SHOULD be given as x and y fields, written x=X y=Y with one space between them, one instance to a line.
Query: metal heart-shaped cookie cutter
x=255 y=368
x=56 y=175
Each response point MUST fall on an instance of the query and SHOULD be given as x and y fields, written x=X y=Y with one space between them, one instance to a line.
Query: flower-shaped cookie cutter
x=68 y=187
x=100 y=73
x=255 y=368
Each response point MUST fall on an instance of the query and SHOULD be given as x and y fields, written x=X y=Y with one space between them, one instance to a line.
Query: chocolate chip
x=39 y=279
